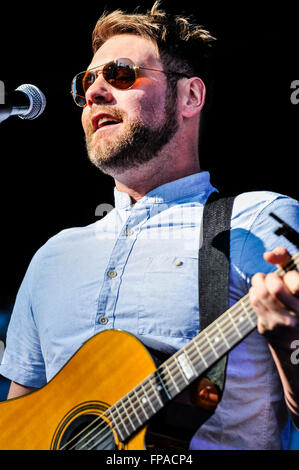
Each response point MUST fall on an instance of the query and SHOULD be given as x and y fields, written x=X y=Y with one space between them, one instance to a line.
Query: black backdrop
x=47 y=183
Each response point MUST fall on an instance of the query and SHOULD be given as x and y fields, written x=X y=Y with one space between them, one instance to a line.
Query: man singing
x=136 y=269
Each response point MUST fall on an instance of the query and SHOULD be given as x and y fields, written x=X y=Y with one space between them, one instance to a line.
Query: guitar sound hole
x=88 y=432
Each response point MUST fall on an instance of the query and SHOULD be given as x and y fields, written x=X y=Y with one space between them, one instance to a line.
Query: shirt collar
x=170 y=192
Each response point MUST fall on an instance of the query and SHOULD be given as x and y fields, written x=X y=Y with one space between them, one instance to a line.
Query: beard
x=137 y=144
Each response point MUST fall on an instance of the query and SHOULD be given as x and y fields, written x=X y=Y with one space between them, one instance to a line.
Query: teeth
x=104 y=119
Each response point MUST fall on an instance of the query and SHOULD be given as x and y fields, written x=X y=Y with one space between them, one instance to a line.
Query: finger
x=279 y=256
x=291 y=280
x=269 y=320
x=270 y=310
x=270 y=324
x=264 y=290
x=280 y=290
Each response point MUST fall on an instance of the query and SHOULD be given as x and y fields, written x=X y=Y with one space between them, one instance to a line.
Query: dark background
x=47 y=183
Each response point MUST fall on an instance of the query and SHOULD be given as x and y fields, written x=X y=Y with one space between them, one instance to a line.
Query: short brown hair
x=182 y=45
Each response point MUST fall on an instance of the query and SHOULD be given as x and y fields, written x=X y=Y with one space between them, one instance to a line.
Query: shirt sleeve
x=262 y=236
x=23 y=361
x=253 y=232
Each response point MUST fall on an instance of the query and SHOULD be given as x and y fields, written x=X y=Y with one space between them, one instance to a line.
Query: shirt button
x=129 y=232
x=112 y=273
x=177 y=262
x=103 y=320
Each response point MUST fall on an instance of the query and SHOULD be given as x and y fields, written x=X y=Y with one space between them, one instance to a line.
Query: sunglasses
x=119 y=73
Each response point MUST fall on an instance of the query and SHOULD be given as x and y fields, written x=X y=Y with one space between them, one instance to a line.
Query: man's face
x=144 y=115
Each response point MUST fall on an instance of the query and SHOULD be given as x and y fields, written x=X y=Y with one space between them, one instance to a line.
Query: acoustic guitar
x=110 y=393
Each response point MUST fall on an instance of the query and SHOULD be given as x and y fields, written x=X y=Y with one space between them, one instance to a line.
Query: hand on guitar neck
x=275 y=300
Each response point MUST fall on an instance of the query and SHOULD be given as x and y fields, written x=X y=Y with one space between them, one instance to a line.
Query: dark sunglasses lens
x=87 y=80
x=80 y=85
x=79 y=100
x=119 y=74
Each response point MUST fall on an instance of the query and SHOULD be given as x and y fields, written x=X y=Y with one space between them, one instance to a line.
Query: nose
x=99 y=93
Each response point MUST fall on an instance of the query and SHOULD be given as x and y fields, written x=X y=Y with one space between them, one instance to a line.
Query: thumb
x=279 y=256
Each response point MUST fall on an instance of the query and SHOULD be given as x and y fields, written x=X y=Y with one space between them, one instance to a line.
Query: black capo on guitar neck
x=286 y=231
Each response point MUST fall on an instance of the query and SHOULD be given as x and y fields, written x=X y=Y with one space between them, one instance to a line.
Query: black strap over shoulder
x=213 y=276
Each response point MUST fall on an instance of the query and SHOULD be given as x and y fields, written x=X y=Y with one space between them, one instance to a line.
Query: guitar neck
x=181 y=369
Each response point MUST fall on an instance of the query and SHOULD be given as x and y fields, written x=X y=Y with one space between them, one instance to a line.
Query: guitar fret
x=162 y=385
x=180 y=371
x=215 y=339
x=200 y=353
x=145 y=397
x=192 y=363
x=121 y=422
x=247 y=313
x=211 y=345
x=133 y=407
x=235 y=326
x=165 y=365
x=156 y=394
x=126 y=412
x=139 y=401
x=186 y=365
x=222 y=334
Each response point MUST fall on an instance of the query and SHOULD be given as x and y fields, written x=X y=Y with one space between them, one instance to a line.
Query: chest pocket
x=169 y=297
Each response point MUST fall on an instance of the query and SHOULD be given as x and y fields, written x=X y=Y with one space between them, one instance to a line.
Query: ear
x=193 y=93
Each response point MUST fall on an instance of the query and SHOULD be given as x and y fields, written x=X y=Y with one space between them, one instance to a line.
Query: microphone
x=26 y=102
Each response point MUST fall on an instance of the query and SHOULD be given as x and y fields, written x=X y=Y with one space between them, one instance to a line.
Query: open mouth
x=102 y=121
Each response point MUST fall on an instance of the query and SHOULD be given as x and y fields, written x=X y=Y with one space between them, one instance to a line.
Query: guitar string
x=168 y=376
x=189 y=353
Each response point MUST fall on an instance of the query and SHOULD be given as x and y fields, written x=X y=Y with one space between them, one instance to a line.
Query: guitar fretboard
x=180 y=370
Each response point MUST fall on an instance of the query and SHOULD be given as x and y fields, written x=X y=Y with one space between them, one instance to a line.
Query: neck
x=137 y=182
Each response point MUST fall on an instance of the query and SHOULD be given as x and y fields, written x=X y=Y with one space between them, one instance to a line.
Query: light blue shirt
x=136 y=269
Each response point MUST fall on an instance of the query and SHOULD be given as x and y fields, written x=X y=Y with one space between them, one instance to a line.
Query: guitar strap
x=213 y=276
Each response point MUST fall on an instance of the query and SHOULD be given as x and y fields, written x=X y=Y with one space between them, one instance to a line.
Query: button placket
x=117 y=263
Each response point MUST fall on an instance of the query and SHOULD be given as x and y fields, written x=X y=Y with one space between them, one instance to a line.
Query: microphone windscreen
x=37 y=101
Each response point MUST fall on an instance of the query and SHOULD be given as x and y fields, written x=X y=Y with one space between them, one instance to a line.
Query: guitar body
x=102 y=371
